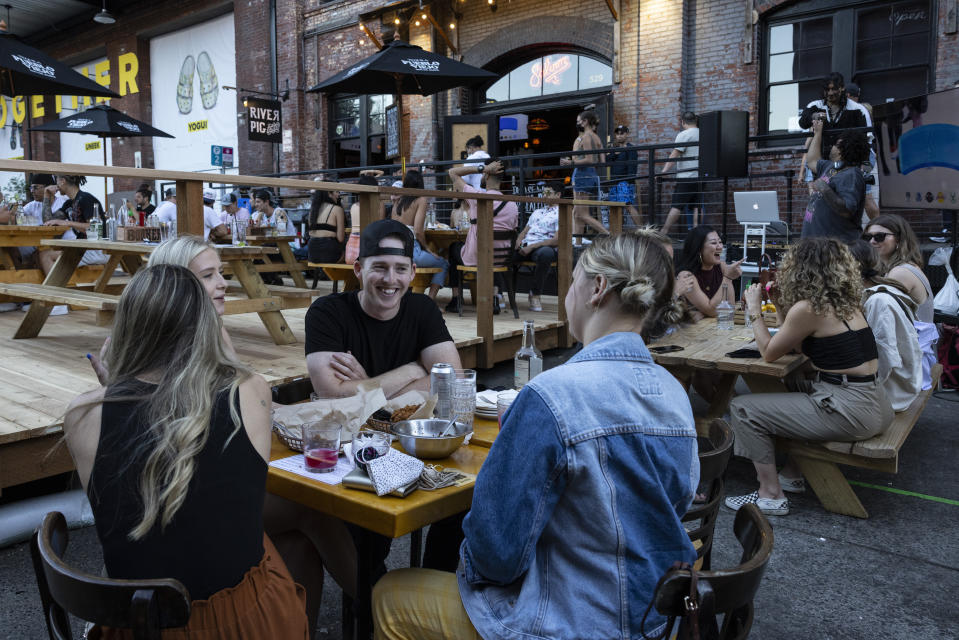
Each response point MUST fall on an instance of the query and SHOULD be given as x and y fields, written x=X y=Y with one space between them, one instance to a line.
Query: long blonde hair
x=824 y=272
x=638 y=271
x=179 y=251
x=907 y=249
x=166 y=325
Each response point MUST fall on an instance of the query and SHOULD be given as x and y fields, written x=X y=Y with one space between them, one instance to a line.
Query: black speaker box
x=723 y=137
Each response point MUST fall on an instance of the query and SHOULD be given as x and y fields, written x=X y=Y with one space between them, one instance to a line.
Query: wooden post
x=564 y=272
x=369 y=208
x=484 y=282
x=189 y=207
x=615 y=219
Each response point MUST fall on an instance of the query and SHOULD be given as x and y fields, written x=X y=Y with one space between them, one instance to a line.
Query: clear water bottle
x=725 y=313
x=95 y=229
x=528 y=361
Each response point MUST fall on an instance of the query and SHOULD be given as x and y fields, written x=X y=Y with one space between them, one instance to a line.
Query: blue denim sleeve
x=517 y=489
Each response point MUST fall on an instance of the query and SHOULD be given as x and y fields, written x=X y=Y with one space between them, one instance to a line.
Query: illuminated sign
x=538 y=124
x=549 y=71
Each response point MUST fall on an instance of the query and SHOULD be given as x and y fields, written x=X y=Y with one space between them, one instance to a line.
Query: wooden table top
x=484 y=432
x=26 y=235
x=387 y=515
x=224 y=250
x=705 y=347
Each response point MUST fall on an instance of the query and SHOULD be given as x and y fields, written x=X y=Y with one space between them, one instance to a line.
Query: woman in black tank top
x=327 y=227
x=819 y=294
x=172 y=453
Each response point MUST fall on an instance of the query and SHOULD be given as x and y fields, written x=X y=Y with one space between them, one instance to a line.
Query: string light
x=452 y=25
x=423 y=16
x=396 y=21
x=417 y=23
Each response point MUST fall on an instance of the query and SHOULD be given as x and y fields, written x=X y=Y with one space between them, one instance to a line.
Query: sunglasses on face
x=878 y=237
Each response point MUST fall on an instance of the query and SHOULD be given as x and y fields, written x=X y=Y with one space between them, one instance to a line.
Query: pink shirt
x=505 y=220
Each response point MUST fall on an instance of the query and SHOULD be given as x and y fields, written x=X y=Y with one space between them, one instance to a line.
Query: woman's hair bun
x=638 y=293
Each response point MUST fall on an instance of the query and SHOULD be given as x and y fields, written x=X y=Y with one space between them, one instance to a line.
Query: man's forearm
x=47 y=212
x=835 y=202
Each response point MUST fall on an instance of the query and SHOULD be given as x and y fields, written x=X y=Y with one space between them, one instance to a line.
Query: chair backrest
x=145 y=606
x=714 y=453
x=503 y=256
x=734 y=588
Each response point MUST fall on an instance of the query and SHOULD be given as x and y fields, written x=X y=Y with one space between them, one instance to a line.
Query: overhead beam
x=442 y=32
x=612 y=9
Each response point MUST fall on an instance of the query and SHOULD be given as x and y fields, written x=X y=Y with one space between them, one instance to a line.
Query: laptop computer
x=756 y=207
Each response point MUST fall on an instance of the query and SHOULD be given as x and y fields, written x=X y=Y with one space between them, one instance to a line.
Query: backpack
x=949 y=356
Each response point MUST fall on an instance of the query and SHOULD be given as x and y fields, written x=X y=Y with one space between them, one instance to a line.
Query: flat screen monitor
x=918 y=151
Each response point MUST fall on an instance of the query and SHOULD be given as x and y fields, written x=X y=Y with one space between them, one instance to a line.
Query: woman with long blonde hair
x=818 y=302
x=173 y=453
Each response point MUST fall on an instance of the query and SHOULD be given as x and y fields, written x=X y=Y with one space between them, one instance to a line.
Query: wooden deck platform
x=41 y=375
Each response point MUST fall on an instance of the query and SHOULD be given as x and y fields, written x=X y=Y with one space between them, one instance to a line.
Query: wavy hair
x=638 y=270
x=824 y=272
x=870 y=267
x=179 y=251
x=166 y=325
x=907 y=244
x=853 y=148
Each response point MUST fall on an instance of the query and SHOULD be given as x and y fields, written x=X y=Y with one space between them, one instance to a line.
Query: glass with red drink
x=321 y=445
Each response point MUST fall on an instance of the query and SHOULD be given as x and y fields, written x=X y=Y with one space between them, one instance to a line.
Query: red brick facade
x=700 y=55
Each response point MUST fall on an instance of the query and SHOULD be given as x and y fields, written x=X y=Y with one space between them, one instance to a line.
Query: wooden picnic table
x=388 y=515
x=131 y=254
x=12 y=237
x=282 y=242
x=704 y=348
x=441 y=239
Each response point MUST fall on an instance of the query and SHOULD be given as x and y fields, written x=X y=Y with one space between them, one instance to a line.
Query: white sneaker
x=8 y=306
x=59 y=310
x=792 y=485
x=768 y=506
x=534 y=303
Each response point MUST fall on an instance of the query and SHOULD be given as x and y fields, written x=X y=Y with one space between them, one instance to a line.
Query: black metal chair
x=732 y=589
x=144 y=606
x=714 y=453
x=503 y=258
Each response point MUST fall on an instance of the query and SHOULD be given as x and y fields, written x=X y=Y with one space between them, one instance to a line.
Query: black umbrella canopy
x=103 y=121
x=27 y=71
x=403 y=68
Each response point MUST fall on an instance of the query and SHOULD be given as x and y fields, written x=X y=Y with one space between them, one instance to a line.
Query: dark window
x=889 y=54
x=356 y=130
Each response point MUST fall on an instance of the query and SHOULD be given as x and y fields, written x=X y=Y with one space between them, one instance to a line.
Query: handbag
x=699 y=620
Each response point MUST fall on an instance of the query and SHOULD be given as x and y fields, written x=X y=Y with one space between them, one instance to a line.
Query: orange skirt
x=265 y=604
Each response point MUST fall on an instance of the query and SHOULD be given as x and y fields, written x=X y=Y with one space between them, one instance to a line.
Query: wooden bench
x=105 y=304
x=293 y=297
x=340 y=272
x=819 y=460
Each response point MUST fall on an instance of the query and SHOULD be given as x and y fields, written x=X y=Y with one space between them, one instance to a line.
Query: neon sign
x=549 y=71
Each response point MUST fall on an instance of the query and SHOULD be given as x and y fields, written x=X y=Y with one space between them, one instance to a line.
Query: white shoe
x=792 y=485
x=534 y=303
x=768 y=506
x=8 y=306
x=59 y=310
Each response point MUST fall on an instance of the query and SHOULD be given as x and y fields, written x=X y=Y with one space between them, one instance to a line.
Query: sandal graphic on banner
x=209 y=88
x=184 y=88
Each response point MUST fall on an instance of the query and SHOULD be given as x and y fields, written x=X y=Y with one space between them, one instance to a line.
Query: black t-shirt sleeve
x=431 y=327
x=83 y=204
x=324 y=328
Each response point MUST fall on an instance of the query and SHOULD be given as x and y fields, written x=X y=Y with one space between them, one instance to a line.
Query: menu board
x=392 y=131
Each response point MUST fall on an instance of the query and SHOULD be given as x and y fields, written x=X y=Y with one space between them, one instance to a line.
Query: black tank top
x=217 y=534
x=324 y=226
x=842 y=351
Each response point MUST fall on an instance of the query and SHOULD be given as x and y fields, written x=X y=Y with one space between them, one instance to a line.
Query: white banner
x=79 y=148
x=11 y=147
x=188 y=69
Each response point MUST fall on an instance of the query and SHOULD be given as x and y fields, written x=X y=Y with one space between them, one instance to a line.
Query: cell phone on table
x=666 y=348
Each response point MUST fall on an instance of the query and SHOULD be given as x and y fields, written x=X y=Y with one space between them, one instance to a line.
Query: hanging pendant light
x=104 y=17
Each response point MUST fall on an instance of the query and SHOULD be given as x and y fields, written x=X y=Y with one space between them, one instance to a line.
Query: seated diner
x=550 y=551
x=702 y=258
x=819 y=307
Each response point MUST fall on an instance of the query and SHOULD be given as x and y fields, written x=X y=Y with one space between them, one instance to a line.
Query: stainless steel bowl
x=421 y=438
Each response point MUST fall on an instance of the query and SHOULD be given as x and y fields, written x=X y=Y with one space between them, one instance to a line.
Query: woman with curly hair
x=898 y=249
x=818 y=302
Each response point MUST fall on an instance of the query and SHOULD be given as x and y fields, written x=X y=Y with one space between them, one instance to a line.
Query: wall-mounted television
x=918 y=151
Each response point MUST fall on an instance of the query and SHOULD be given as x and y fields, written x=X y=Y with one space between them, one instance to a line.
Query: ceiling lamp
x=104 y=17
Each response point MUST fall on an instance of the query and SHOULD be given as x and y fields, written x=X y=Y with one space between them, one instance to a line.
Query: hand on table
x=347 y=367
x=732 y=270
x=57 y=223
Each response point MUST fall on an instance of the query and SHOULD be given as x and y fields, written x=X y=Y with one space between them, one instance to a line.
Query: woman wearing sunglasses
x=819 y=298
x=898 y=249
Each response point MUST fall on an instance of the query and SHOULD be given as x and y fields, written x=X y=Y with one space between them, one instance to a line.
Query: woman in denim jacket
x=576 y=511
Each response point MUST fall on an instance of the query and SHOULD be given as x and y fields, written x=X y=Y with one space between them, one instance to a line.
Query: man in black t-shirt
x=74 y=215
x=142 y=199
x=383 y=331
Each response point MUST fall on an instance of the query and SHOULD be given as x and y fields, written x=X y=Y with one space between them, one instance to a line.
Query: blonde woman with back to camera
x=173 y=453
x=590 y=512
x=819 y=306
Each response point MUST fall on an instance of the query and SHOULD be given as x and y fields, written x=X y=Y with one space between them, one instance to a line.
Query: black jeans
x=543 y=257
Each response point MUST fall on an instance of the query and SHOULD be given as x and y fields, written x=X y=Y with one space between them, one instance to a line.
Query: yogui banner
x=264 y=120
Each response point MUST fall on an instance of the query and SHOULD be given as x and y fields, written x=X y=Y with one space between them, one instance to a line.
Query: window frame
x=539 y=54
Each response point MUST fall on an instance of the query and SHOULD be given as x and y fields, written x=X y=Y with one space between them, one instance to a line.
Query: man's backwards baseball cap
x=374 y=233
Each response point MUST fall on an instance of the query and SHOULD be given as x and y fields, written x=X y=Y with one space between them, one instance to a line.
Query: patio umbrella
x=27 y=71
x=106 y=122
x=402 y=68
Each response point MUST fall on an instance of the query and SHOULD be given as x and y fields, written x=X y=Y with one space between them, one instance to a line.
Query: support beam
x=189 y=207
x=439 y=28
x=613 y=9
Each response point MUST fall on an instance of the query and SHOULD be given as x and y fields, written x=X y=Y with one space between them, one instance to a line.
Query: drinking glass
x=239 y=238
x=503 y=401
x=321 y=445
x=463 y=396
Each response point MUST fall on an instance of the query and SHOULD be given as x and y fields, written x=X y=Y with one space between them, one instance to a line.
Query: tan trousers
x=815 y=411
x=420 y=604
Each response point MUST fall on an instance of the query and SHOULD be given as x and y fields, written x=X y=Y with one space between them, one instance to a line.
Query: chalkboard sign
x=392 y=131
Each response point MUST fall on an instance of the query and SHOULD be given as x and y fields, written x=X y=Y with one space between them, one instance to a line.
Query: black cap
x=42 y=178
x=852 y=89
x=373 y=234
x=621 y=129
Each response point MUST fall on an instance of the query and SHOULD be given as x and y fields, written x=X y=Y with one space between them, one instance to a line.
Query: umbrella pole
x=105 y=179
x=399 y=111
